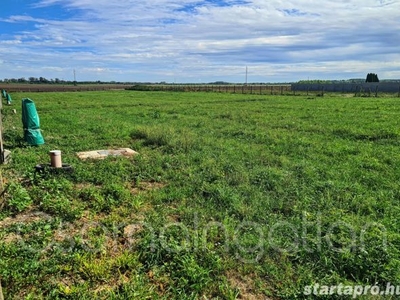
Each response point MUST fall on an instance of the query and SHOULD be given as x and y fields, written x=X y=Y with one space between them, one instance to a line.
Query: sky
x=199 y=41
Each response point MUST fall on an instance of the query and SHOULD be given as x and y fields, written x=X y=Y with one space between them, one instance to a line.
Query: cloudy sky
x=199 y=40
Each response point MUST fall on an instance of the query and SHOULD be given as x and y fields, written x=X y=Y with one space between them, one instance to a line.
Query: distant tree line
x=43 y=80
x=371 y=77
x=33 y=80
x=313 y=81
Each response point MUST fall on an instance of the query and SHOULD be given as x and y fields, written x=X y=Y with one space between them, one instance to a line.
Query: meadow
x=231 y=196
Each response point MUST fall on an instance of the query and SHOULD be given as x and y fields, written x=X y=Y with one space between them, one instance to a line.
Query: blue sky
x=199 y=41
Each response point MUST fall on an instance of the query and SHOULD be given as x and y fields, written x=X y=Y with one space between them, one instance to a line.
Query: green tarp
x=31 y=123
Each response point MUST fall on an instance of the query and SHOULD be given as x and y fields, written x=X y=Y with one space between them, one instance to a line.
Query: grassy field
x=231 y=197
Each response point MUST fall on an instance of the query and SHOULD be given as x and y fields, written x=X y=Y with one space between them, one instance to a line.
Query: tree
x=372 y=77
x=43 y=80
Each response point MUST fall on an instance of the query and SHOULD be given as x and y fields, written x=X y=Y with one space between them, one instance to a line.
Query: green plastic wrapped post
x=4 y=93
x=31 y=123
x=8 y=97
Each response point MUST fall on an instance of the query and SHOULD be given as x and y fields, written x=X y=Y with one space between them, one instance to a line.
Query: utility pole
x=246 y=76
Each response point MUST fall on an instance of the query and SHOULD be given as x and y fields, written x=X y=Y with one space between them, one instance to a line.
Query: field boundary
x=260 y=89
x=366 y=87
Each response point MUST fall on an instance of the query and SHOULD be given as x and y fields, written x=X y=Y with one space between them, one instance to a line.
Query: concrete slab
x=101 y=154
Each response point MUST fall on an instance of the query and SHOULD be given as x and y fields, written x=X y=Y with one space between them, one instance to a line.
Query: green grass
x=232 y=196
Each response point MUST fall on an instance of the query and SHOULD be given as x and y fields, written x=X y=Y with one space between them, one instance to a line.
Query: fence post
x=1 y=292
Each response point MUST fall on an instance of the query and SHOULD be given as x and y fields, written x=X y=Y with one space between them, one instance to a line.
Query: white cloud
x=189 y=39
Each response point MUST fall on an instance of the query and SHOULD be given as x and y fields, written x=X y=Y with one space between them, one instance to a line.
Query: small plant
x=19 y=199
x=61 y=206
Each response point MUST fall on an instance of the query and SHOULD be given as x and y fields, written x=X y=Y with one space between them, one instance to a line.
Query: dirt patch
x=146 y=186
x=246 y=286
x=25 y=218
x=130 y=231
x=112 y=284
x=11 y=238
x=82 y=186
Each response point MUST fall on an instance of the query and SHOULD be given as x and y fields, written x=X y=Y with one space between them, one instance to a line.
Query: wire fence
x=261 y=89
x=358 y=89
